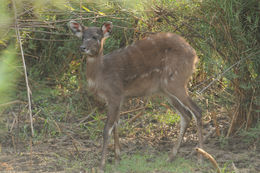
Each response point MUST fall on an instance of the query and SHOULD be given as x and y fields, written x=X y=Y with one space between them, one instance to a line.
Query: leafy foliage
x=224 y=33
x=226 y=37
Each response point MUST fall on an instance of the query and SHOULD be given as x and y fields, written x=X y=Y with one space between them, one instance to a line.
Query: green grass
x=146 y=162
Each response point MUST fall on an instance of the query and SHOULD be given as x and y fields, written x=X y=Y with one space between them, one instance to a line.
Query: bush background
x=225 y=34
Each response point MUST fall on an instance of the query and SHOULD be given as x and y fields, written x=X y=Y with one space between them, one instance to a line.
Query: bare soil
x=74 y=152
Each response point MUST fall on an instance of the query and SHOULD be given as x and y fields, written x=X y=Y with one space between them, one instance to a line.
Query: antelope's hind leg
x=188 y=109
x=184 y=123
x=116 y=143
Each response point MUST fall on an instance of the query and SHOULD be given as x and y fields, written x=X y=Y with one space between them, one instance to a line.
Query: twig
x=46 y=32
x=33 y=56
x=24 y=65
x=75 y=146
x=9 y=103
x=35 y=26
x=89 y=115
x=122 y=113
x=57 y=126
x=211 y=159
x=165 y=105
x=67 y=20
x=14 y=145
x=135 y=117
x=49 y=40
x=15 y=120
x=233 y=121
x=220 y=75
x=134 y=110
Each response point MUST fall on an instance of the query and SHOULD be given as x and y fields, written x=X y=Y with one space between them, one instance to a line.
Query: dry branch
x=87 y=117
x=10 y=103
x=218 y=76
x=53 y=40
x=134 y=118
x=24 y=66
x=46 y=32
x=63 y=20
x=211 y=159
x=133 y=110
x=122 y=113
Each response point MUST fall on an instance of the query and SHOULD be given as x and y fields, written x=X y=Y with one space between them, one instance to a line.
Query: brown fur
x=162 y=63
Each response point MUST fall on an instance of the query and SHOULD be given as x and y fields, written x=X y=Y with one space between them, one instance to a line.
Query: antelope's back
x=145 y=55
x=149 y=59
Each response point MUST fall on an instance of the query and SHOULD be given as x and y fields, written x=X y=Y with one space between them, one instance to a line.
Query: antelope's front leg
x=112 y=116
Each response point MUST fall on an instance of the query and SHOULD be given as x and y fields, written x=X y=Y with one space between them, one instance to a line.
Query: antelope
x=161 y=63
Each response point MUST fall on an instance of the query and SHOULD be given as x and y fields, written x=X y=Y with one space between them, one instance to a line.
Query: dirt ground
x=74 y=152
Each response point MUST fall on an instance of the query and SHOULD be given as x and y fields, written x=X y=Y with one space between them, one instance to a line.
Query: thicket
x=225 y=34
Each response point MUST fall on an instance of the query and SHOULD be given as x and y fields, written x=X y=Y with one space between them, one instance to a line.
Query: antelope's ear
x=107 y=29
x=76 y=28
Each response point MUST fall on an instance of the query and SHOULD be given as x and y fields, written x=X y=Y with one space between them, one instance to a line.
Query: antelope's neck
x=92 y=67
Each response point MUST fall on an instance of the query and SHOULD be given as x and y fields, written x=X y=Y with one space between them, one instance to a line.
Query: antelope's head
x=92 y=37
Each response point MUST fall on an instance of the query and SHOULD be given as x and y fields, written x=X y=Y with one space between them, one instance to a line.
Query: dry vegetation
x=68 y=120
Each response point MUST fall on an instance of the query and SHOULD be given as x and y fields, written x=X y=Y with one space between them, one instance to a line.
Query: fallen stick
x=134 y=110
x=134 y=118
x=209 y=157
x=122 y=113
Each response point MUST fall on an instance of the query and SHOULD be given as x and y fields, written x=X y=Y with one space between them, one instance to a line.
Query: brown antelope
x=162 y=63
